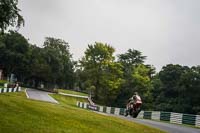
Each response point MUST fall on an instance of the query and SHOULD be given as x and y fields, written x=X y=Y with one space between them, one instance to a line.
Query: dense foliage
x=103 y=75
x=177 y=89
x=51 y=65
x=109 y=80
x=9 y=14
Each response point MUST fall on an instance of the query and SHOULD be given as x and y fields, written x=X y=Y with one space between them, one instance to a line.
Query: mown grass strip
x=21 y=115
x=72 y=92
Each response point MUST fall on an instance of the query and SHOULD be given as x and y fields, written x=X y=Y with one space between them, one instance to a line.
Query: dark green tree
x=132 y=57
x=59 y=59
x=9 y=14
x=40 y=71
x=189 y=89
x=169 y=77
x=136 y=76
x=14 y=51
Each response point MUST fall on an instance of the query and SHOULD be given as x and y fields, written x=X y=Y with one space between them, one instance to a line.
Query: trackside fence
x=176 y=118
x=5 y=90
x=103 y=109
x=171 y=117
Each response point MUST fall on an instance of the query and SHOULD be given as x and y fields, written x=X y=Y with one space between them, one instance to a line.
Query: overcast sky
x=166 y=31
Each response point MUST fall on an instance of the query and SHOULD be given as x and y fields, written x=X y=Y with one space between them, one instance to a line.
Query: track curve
x=169 y=128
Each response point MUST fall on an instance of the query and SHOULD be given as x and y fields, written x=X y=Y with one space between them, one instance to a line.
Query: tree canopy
x=9 y=14
x=102 y=72
x=177 y=89
x=32 y=65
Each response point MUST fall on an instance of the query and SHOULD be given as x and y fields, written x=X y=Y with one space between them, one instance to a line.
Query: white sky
x=166 y=31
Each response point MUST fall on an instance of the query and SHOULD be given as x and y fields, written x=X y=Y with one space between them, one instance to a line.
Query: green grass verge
x=72 y=92
x=2 y=82
x=21 y=115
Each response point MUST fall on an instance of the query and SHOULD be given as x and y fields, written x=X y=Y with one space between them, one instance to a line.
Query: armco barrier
x=4 y=90
x=165 y=116
x=197 y=124
x=104 y=109
x=175 y=118
x=147 y=115
x=189 y=119
x=155 y=115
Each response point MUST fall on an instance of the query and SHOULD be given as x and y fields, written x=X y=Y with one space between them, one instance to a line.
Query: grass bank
x=72 y=92
x=21 y=115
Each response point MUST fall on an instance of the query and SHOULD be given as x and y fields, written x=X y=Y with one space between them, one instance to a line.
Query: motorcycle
x=133 y=111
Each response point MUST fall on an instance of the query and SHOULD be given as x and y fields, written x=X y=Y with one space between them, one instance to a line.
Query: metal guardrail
x=176 y=118
x=171 y=117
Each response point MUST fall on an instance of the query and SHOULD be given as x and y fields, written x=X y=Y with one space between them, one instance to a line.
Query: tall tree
x=131 y=61
x=40 y=70
x=189 y=89
x=132 y=57
x=60 y=60
x=14 y=49
x=170 y=96
x=9 y=14
x=102 y=72
x=141 y=82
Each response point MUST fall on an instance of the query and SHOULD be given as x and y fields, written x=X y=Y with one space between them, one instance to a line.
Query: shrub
x=2 y=82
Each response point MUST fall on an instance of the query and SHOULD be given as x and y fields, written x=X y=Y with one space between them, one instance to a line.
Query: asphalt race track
x=39 y=95
x=169 y=128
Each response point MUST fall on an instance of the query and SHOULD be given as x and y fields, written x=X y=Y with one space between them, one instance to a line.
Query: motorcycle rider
x=134 y=102
x=137 y=101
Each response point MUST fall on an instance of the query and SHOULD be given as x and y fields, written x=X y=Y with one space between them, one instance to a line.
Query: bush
x=2 y=82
